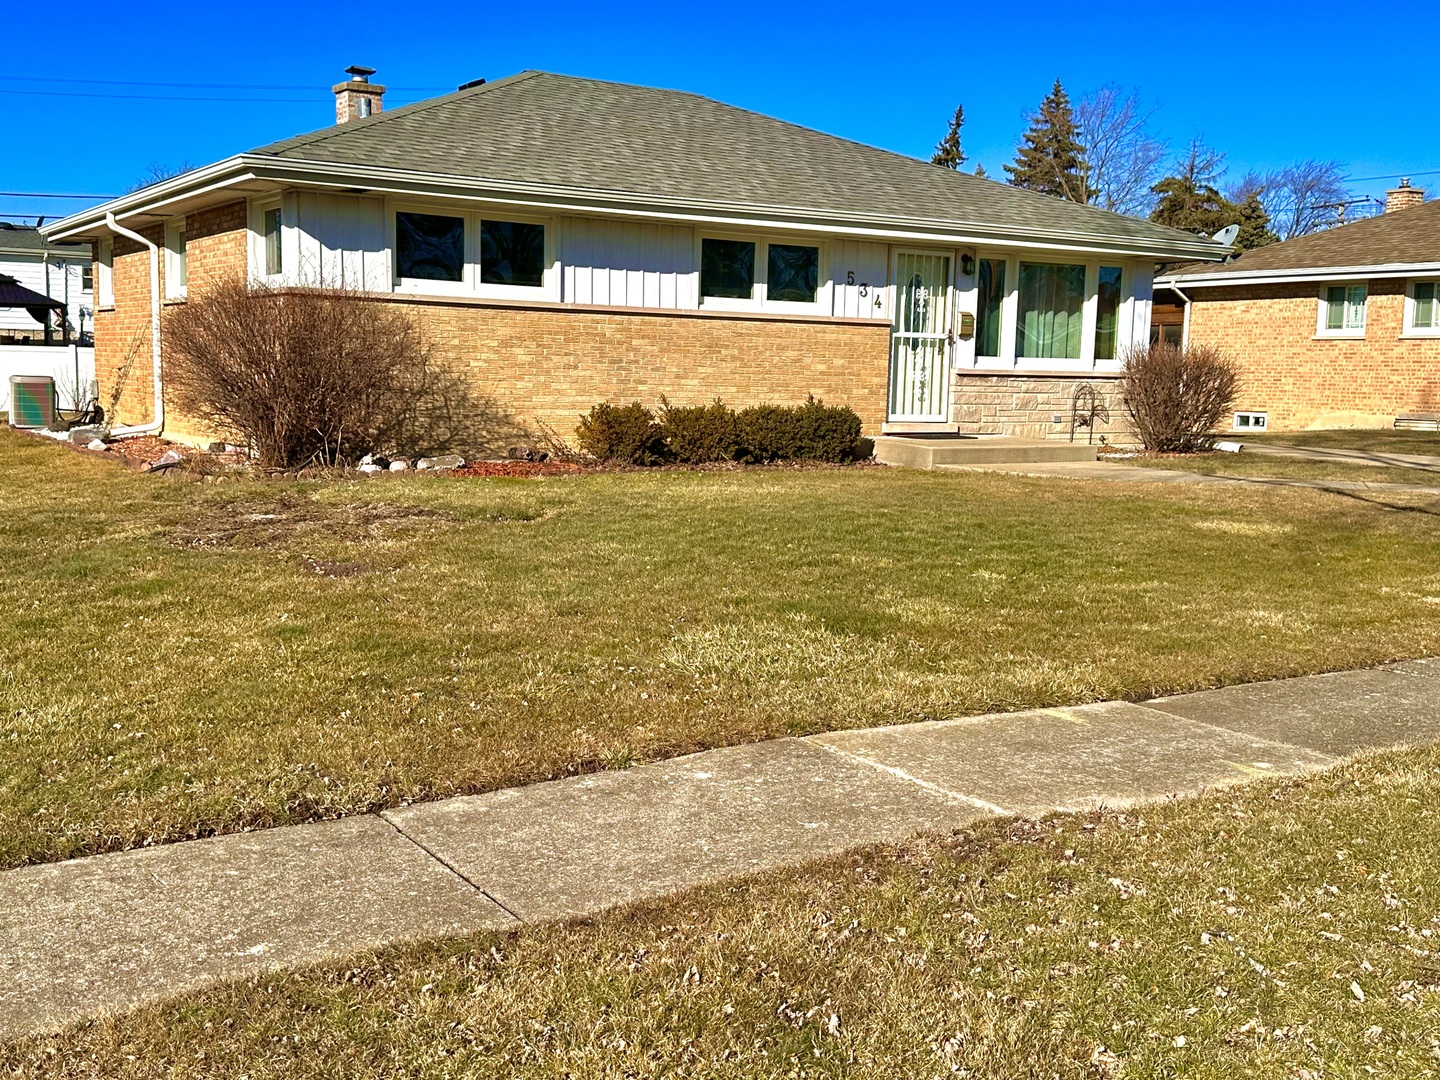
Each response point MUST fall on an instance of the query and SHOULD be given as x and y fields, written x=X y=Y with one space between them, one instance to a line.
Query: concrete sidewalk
x=1380 y=458
x=1113 y=471
x=103 y=934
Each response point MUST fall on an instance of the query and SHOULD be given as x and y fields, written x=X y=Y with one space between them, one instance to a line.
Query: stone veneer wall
x=1025 y=405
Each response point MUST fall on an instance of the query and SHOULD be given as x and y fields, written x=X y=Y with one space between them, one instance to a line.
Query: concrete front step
x=928 y=452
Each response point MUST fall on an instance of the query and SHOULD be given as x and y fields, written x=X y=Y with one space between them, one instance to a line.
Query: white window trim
x=824 y=287
x=470 y=283
x=1408 y=328
x=1011 y=360
x=256 y=213
x=1264 y=424
x=175 y=257
x=1345 y=333
x=105 y=274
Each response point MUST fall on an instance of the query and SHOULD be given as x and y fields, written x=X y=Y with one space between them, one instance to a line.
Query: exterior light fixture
x=967 y=264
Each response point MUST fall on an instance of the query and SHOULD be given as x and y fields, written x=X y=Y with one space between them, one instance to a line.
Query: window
x=1107 y=315
x=991 y=306
x=176 y=277
x=270 y=228
x=429 y=246
x=87 y=278
x=104 y=266
x=794 y=273
x=512 y=253
x=727 y=269
x=1424 y=307
x=1251 y=421
x=1050 y=318
x=1343 y=311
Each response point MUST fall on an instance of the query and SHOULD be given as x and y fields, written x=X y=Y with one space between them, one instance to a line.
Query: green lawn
x=1220 y=463
x=184 y=658
x=1284 y=931
x=1381 y=440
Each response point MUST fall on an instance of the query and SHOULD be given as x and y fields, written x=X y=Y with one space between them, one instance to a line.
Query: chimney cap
x=358 y=73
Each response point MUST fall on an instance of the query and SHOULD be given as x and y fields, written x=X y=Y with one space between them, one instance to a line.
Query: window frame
x=1408 y=327
x=1252 y=414
x=1343 y=333
x=470 y=284
x=759 y=299
x=176 y=260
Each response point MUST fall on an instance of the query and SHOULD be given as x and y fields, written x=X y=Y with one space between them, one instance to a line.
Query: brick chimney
x=1403 y=197
x=358 y=98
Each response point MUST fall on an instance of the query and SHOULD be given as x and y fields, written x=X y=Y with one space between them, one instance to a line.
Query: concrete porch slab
x=1107 y=754
x=106 y=933
x=1341 y=713
x=933 y=452
x=577 y=846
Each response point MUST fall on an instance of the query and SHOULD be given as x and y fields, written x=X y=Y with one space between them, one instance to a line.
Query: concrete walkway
x=1381 y=458
x=1112 y=470
x=103 y=934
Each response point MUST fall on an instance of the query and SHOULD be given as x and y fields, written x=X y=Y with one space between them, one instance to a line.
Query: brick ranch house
x=570 y=241
x=1340 y=328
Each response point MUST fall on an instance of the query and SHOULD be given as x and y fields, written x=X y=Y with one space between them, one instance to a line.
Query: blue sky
x=1314 y=80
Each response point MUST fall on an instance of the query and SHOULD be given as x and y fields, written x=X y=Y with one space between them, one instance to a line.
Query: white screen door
x=920 y=342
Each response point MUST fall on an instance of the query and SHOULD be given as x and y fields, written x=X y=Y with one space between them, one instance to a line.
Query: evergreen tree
x=1191 y=201
x=1254 y=224
x=948 y=154
x=980 y=172
x=1051 y=158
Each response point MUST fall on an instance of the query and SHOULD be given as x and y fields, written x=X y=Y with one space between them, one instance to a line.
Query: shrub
x=826 y=432
x=699 y=433
x=1175 y=396
x=624 y=433
x=310 y=375
x=766 y=433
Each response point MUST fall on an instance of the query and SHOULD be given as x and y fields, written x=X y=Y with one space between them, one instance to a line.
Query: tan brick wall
x=1305 y=382
x=551 y=364
x=1025 y=405
x=215 y=242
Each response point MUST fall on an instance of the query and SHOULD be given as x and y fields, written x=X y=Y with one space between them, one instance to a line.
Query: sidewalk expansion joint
x=901 y=774
x=452 y=868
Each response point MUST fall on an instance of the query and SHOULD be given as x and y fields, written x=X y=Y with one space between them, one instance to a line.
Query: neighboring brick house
x=572 y=241
x=1340 y=328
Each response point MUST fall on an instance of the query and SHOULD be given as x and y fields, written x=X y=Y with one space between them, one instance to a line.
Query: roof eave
x=264 y=168
x=1296 y=274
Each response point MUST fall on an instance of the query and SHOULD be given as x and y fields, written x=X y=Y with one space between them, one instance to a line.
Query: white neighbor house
x=62 y=272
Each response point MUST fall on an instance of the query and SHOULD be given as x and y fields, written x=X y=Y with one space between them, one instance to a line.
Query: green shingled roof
x=617 y=139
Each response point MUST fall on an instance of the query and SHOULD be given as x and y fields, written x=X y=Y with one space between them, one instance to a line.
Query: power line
x=190 y=86
x=161 y=97
x=50 y=195
x=1391 y=176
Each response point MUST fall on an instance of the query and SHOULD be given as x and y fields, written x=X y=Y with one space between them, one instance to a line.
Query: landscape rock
x=441 y=461
x=369 y=467
x=84 y=436
x=96 y=444
x=217 y=448
x=167 y=460
x=399 y=466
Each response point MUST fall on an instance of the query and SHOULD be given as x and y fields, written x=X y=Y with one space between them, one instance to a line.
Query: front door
x=920 y=342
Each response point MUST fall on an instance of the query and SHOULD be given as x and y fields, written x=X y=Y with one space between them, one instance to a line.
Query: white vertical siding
x=628 y=264
x=342 y=241
x=29 y=270
x=856 y=267
x=1136 y=329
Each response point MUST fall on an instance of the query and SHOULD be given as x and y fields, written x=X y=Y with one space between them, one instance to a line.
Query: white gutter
x=1185 y=328
x=158 y=424
x=1298 y=274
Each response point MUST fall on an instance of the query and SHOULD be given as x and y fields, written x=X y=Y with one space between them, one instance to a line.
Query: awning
x=13 y=295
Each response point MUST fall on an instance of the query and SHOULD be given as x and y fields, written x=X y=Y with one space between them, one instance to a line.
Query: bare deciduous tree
x=1305 y=197
x=1122 y=157
x=1176 y=396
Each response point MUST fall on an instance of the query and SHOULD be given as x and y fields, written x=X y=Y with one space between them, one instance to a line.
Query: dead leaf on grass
x=288 y=519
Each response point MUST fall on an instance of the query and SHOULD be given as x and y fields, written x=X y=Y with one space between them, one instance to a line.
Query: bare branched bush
x=317 y=376
x=1176 y=396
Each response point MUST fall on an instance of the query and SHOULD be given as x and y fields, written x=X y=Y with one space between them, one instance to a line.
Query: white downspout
x=158 y=424
x=1185 y=328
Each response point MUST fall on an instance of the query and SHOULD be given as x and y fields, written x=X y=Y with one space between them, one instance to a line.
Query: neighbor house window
x=1344 y=309
x=1107 y=313
x=727 y=269
x=1050 y=319
x=512 y=253
x=1425 y=306
x=429 y=246
x=176 y=271
x=991 y=305
x=794 y=273
x=270 y=229
x=1251 y=421
x=87 y=278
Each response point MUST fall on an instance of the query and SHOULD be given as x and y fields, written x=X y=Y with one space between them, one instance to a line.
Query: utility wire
x=186 y=86
x=161 y=97
x=50 y=195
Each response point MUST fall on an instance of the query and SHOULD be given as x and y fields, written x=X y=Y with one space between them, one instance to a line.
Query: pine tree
x=1254 y=224
x=1191 y=201
x=1051 y=158
x=948 y=154
x=980 y=172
